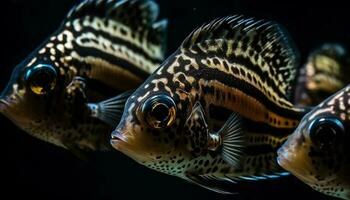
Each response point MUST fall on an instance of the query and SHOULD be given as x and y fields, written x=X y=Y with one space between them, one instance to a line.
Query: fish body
x=324 y=73
x=217 y=109
x=102 y=48
x=317 y=152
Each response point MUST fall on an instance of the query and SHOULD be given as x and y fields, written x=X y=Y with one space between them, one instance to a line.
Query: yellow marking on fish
x=115 y=28
x=246 y=105
x=73 y=70
x=122 y=51
x=143 y=97
x=327 y=64
x=53 y=51
x=265 y=88
x=49 y=45
x=165 y=82
x=60 y=47
x=111 y=74
x=325 y=82
x=343 y=116
x=341 y=104
x=260 y=139
x=171 y=68
x=69 y=39
x=32 y=62
x=42 y=51
x=62 y=72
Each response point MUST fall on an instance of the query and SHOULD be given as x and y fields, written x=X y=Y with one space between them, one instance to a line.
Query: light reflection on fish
x=103 y=47
x=318 y=152
x=216 y=111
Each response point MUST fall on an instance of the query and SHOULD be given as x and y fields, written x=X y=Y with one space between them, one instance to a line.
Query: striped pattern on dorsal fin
x=134 y=13
x=139 y=15
x=259 y=45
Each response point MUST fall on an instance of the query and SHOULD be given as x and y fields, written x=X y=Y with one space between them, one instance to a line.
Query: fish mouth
x=3 y=105
x=282 y=159
x=286 y=162
x=295 y=167
x=117 y=138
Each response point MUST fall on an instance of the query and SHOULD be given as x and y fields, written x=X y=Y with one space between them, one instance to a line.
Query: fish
x=103 y=48
x=215 y=112
x=323 y=74
x=317 y=152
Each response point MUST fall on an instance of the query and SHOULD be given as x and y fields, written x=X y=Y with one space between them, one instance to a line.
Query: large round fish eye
x=325 y=131
x=41 y=78
x=159 y=111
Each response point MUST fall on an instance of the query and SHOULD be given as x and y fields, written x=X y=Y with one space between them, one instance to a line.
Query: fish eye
x=41 y=78
x=159 y=111
x=326 y=131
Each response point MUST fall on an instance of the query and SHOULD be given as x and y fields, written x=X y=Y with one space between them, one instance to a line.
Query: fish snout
x=282 y=157
x=117 y=138
x=3 y=104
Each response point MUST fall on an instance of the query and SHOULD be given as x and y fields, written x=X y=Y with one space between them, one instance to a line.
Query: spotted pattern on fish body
x=231 y=65
x=317 y=152
x=103 y=48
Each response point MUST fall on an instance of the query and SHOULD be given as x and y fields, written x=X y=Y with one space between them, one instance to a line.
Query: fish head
x=27 y=98
x=317 y=152
x=153 y=127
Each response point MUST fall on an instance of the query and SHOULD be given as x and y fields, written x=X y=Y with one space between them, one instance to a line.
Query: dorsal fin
x=134 y=13
x=138 y=15
x=259 y=46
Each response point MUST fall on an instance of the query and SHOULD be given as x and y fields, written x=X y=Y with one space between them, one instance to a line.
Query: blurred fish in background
x=325 y=72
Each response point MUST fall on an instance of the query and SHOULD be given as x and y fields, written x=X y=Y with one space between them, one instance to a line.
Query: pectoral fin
x=196 y=122
x=110 y=110
x=75 y=97
x=232 y=136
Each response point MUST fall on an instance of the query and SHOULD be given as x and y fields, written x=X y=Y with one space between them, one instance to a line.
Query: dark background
x=35 y=169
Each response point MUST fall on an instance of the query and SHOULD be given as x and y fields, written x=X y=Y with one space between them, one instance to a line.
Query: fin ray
x=232 y=140
x=110 y=110
x=261 y=47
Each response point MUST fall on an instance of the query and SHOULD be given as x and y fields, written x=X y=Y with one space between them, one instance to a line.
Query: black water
x=34 y=169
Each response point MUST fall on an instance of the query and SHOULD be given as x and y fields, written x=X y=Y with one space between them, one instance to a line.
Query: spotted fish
x=103 y=47
x=215 y=111
x=317 y=152
x=325 y=72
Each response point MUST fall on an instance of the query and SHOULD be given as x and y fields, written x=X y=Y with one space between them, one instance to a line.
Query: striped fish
x=325 y=72
x=216 y=111
x=318 y=152
x=103 y=47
